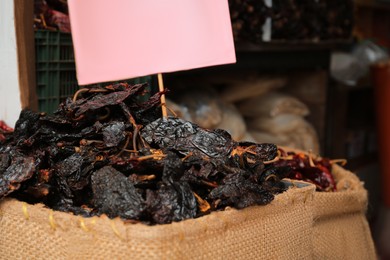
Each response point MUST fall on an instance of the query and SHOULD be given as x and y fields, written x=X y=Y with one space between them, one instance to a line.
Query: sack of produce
x=341 y=230
x=178 y=110
x=284 y=123
x=232 y=121
x=239 y=91
x=248 y=137
x=308 y=87
x=203 y=106
x=285 y=130
x=340 y=227
x=278 y=139
x=106 y=176
x=306 y=137
x=272 y=104
x=258 y=232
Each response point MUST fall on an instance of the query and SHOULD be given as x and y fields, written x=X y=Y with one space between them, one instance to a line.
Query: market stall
x=229 y=165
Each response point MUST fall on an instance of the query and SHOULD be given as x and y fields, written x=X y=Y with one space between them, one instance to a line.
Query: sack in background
x=249 y=88
x=232 y=121
x=178 y=110
x=312 y=89
x=285 y=130
x=284 y=123
x=204 y=107
x=248 y=137
x=272 y=104
x=208 y=111
x=279 y=139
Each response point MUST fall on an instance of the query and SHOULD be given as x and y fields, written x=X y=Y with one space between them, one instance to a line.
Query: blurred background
x=310 y=74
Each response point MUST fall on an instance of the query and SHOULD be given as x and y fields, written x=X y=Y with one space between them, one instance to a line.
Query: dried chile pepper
x=108 y=152
x=114 y=134
x=171 y=202
x=248 y=18
x=187 y=137
x=239 y=192
x=20 y=169
x=115 y=195
x=307 y=168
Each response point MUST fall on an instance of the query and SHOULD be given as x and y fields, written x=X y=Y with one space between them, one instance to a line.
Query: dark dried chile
x=101 y=100
x=187 y=137
x=239 y=192
x=171 y=202
x=21 y=168
x=115 y=195
x=108 y=152
x=114 y=134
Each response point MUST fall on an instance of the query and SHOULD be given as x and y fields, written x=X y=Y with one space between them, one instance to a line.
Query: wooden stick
x=161 y=88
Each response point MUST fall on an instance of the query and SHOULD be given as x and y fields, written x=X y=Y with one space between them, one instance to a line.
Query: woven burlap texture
x=279 y=230
x=341 y=229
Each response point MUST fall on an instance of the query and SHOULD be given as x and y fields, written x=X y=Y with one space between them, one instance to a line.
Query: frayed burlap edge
x=280 y=229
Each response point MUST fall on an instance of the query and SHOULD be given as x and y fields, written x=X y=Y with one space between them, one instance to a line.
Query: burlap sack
x=248 y=137
x=239 y=91
x=267 y=137
x=285 y=130
x=279 y=230
x=232 y=121
x=178 y=110
x=340 y=229
x=272 y=104
x=283 y=123
x=203 y=106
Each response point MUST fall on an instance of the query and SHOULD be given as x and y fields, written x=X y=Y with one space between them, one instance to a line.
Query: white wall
x=10 y=103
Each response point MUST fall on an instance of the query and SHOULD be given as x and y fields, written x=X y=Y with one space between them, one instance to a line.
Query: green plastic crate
x=56 y=70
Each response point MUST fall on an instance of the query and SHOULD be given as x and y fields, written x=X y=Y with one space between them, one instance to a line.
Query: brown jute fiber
x=341 y=230
x=340 y=227
x=280 y=230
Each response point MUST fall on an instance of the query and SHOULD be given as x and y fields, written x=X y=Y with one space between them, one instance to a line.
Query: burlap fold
x=341 y=229
x=279 y=230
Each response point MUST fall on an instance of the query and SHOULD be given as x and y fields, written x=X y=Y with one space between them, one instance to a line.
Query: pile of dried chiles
x=292 y=20
x=105 y=151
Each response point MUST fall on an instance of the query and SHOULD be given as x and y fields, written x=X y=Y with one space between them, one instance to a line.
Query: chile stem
x=162 y=98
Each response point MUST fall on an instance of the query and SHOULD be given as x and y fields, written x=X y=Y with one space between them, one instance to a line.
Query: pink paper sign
x=122 y=39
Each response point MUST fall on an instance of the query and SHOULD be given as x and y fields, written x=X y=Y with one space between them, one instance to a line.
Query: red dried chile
x=306 y=168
